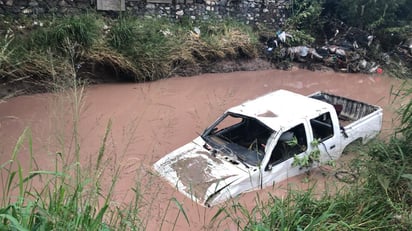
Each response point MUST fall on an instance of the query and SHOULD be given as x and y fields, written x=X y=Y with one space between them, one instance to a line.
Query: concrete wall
x=269 y=12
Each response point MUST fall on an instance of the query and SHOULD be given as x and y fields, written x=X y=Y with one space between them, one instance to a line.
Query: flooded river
x=151 y=119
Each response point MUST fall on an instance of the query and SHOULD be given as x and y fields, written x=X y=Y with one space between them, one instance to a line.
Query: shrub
x=83 y=30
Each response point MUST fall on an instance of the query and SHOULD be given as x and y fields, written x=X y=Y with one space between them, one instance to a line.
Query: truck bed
x=348 y=110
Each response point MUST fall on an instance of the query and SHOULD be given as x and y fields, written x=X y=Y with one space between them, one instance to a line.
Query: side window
x=290 y=143
x=322 y=127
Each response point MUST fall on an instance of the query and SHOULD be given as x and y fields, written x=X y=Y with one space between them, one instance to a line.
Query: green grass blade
x=19 y=144
x=15 y=225
x=10 y=180
x=103 y=145
x=99 y=218
x=407 y=176
x=217 y=214
x=45 y=172
x=21 y=183
x=181 y=209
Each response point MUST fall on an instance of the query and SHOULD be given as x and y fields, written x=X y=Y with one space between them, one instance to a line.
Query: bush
x=83 y=30
x=389 y=21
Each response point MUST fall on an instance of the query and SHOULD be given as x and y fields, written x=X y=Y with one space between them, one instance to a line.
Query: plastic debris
x=370 y=40
x=303 y=51
x=379 y=71
x=282 y=35
x=197 y=30
x=347 y=49
x=373 y=68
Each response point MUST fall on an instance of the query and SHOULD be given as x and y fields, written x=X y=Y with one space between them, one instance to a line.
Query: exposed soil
x=152 y=119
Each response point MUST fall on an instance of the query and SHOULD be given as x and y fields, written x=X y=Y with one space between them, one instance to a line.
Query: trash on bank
x=303 y=51
x=282 y=35
x=350 y=50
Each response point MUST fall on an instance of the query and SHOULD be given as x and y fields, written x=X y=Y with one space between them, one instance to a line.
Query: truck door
x=294 y=141
x=324 y=131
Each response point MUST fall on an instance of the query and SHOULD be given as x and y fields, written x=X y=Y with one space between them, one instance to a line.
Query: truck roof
x=282 y=109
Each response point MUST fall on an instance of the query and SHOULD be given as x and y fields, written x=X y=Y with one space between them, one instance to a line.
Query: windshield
x=239 y=135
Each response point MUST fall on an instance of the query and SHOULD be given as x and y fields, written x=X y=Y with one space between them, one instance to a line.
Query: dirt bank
x=152 y=119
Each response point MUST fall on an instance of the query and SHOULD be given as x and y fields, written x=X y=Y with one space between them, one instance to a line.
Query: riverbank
x=38 y=54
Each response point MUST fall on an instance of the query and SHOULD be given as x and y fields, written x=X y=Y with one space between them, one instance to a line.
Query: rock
x=15 y=10
x=150 y=6
x=27 y=11
x=83 y=5
x=39 y=10
x=180 y=13
x=62 y=10
x=9 y=3
x=33 y=3
x=53 y=10
x=223 y=2
x=62 y=3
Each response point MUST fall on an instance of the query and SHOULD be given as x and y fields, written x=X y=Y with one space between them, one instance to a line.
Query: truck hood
x=198 y=174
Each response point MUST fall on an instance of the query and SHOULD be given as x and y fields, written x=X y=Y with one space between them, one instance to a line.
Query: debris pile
x=352 y=50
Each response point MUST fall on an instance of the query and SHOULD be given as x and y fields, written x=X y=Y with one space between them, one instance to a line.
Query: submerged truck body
x=249 y=146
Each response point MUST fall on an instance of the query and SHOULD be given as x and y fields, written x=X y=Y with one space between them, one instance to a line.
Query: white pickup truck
x=249 y=146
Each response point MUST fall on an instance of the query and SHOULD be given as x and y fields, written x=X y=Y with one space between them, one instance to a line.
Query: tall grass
x=147 y=42
x=391 y=161
x=72 y=195
x=228 y=39
x=135 y=48
x=353 y=209
x=83 y=30
x=5 y=51
x=34 y=54
x=65 y=201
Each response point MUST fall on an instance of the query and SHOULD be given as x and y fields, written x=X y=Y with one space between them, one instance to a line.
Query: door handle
x=332 y=147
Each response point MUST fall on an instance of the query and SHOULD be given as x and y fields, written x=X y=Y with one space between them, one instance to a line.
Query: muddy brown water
x=150 y=120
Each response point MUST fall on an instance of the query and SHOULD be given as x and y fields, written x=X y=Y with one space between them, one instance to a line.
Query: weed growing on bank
x=83 y=30
x=304 y=210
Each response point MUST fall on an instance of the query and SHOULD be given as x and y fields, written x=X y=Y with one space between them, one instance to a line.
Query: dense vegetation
x=131 y=48
x=61 y=49
x=385 y=19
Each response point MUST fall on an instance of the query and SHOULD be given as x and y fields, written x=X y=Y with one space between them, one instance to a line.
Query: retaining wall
x=268 y=12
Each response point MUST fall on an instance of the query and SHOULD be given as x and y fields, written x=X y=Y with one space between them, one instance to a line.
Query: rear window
x=322 y=127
